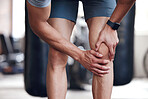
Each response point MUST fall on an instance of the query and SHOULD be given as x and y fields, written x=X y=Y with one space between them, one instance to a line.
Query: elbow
x=34 y=25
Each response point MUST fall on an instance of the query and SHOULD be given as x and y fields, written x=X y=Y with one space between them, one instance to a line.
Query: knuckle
x=96 y=44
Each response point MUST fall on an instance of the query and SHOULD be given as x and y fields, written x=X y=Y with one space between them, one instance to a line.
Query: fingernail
x=100 y=55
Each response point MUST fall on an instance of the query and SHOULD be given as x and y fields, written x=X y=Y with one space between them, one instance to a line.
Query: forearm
x=55 y=39
x=38 y=18
x=123 y=6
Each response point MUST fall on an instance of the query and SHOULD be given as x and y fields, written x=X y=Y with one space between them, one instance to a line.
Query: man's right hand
x=92 y=61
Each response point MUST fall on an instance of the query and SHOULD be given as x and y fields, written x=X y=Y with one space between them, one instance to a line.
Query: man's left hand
x=110 y=38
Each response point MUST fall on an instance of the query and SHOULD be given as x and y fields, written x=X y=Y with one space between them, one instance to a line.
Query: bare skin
x=57 y=61
x=56 y=73
x=107 y=34
x=101 y=86
x=38 y=18
x=53 y=34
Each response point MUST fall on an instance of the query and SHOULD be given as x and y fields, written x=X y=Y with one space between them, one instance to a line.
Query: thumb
x=98 y=45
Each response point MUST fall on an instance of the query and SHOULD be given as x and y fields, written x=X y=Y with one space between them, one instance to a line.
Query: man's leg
x=56 y=79
x=101 y=86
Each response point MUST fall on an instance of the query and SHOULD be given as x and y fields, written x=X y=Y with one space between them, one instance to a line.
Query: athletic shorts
x=68 y=9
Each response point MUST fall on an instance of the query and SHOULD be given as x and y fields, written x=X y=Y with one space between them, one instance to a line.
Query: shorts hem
x=65 y=18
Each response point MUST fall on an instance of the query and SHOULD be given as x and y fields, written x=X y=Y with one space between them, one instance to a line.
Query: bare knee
x=103 y=49
x=57 y=59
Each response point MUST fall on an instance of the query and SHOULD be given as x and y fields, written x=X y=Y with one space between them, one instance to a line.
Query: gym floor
x=12 y=87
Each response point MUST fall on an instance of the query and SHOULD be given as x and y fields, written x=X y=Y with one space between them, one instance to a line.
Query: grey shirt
x=39 y=3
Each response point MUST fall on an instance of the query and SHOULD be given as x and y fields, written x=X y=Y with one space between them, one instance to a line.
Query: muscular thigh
x=95 y=25
x=64 y=27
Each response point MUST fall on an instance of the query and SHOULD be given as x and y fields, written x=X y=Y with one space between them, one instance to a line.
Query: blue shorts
x=68 y=9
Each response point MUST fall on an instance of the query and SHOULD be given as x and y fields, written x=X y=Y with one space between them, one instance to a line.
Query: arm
x=108 y=35
x=38 y=21
x=123 y=6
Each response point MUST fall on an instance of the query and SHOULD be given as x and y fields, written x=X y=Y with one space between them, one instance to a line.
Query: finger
x=100 y=71
x=96 y=54
x=111 y=50
x=117 y=41
x=98 y=45
x=95 y=73
x=104 y=68
x=114 y=48
x=102 y=61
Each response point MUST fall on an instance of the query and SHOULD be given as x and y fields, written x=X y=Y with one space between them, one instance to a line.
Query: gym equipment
x=11 y=62
x=36 y=58
x=123 y=64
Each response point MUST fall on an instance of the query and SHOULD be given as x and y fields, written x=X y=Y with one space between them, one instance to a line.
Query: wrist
x=78 y=55
x=113 y=25
x=108 y=28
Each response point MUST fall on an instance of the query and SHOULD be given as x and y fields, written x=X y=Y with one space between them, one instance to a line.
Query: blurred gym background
x=23 y=56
